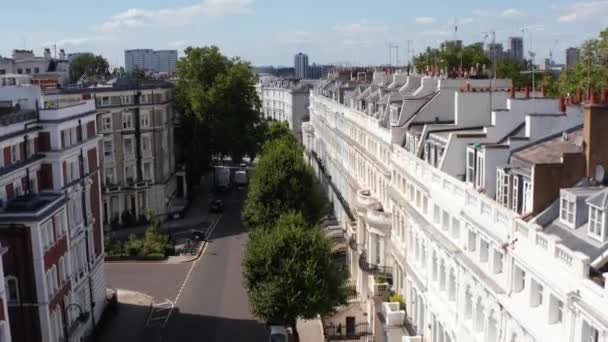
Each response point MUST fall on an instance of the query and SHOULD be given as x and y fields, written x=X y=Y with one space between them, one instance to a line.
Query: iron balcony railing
x=373 y=268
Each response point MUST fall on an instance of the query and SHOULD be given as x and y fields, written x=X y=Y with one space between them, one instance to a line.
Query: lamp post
x=83 y=317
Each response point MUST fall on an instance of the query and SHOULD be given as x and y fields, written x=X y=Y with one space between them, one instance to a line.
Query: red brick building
x=50 y=213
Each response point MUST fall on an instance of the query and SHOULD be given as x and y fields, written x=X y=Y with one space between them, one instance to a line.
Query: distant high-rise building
x=516 y=48
x=301 y=65
x=572 y=56
x=495 y=52
x=455 y=43
x=162 y=61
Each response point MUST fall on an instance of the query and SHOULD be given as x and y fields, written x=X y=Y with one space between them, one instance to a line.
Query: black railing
x=339 y=332
x=373 y=268
x=352 y=242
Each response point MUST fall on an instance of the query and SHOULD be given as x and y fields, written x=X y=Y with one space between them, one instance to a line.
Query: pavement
x=310 y=330
x=202 y=300
x=133 y=307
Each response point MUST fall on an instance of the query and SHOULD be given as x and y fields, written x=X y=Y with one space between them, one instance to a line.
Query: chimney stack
x=527 y=92
x=578 y=96
x=512 y=92
x=604 y=97
x=562 y=105
x=595 y=126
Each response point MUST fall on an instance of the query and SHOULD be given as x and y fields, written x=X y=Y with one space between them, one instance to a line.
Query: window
x=14 y=153
x=61 y=270
x=109 y=175
x=502 y=187
x=36 y=70
x=596 y=223
x=105 y=100
x=470 y=165
x=536 y=294
x=59 y=224
x=519 y=279
x=20 y=71
x=127 y=120
x=129 y=174
x=145 y=119
x=28 y=70
x=108 y=149
x=479 y=174
x=567 y=211
x=147 y=171
x=146 y=144
x=556 y=310
x=425 y=205
x=590 y=334
x=484 y=250
x=445 y=223
x=128 y=146
x=471 y=246
x=436 y=214
x=455 y=228
x=125 y=99
x=106 y=122
x=498 y=261
x=527 y=197
x=12 y=289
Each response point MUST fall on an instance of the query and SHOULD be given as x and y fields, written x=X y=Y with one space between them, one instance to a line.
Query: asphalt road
x=210 y=303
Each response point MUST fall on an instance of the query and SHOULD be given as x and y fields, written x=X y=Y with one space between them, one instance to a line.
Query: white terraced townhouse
x=482 y=205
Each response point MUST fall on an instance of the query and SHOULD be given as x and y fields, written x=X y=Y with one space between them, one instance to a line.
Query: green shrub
x=156 y=256
x=154 y=242
x=395 y=297
x=133 y=246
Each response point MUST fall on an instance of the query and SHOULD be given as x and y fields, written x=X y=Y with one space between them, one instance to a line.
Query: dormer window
x=596 y=223
x=566 y=211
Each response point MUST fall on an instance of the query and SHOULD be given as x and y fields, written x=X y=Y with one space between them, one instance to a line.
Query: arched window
x=479 y=316
x=468 y=304
x=452 y=286
x=12 y=289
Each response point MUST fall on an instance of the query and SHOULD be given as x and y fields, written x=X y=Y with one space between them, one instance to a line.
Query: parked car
x=216 y=206
x=278 y=333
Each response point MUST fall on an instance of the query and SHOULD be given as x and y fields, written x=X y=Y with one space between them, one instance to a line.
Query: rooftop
x=31 y=207
x=552 y=150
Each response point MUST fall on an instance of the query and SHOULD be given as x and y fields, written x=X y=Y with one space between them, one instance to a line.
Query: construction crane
x=551 y=51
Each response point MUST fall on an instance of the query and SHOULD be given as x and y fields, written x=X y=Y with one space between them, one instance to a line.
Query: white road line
x=211 y=229
x=160 y=308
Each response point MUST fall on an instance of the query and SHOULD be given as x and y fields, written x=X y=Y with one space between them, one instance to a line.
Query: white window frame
x=470 y=167
x=597 y=220
x=146 y=144
x=527 y=197
x=151 y=172
x=106 y=122
x=14 y=153
x=145 y=119
x=127 y=120
x=110 y=155
x=567 y=211
x=111 y=175
x=479 y=172
x=128 y=152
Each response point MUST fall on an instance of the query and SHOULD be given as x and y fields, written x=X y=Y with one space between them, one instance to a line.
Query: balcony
x=364 y=200
x=373 y=268
x=378 y=218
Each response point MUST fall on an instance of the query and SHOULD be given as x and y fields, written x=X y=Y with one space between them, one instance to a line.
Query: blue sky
x=272 y=31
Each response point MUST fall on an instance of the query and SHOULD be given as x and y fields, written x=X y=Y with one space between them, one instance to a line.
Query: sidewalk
x=128 y=325
x=310 y=330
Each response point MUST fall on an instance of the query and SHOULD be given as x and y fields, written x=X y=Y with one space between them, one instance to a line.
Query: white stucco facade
x=469 y=268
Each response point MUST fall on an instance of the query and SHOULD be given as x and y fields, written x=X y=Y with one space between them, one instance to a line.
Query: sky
x=270 y=32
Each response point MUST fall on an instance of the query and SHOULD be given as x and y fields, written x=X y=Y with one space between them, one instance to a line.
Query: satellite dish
x=578 y=141
x=600 y=173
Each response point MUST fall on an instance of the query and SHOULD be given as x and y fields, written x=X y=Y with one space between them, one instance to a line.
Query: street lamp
x=83 y=317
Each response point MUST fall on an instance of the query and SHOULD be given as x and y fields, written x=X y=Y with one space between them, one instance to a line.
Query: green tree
x=515 y=71
x=592 y=70
x=93 y=66
x=278 y=130
x=154 y=241
x=220 y=108
x=452 y=57
x=289 y=273
x=138 y=74
x=282 y=182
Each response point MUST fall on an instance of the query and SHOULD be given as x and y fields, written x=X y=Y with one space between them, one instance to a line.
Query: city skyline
x=357 y=34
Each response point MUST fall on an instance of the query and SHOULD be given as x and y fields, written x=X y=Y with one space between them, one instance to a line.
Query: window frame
x=9 y=299
x=597 y=219
x=568 y=211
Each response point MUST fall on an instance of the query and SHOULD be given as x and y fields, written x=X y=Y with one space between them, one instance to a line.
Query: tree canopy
x=220 y=107
x=290 y=273
x=282 y=182
x=93 y=66
x=592 y=69
x=451 y=56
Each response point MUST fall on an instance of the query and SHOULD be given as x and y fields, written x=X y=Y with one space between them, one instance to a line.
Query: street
x=202 y=300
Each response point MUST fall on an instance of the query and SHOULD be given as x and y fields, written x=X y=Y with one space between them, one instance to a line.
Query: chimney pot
x=562 y=104
x=527 y=92
x=604 y=97
x=512 y=92
x=578 y=96
x=592 y=97
x=468 y=86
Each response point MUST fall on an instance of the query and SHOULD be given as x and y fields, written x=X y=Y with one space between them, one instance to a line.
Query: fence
x=339 y=332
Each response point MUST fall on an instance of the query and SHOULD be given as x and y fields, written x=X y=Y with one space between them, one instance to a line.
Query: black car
x=216 y=206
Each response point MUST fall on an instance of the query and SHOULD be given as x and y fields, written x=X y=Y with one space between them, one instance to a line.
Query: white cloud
x=511 y=13
x=360 y=28
x=466 y=21
x=480 y=12
x=136 y=17
x=584 y=11
x=425 y=20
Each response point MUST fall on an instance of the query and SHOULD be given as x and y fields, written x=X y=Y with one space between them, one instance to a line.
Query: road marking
x=210 y=231
x=160 y=312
